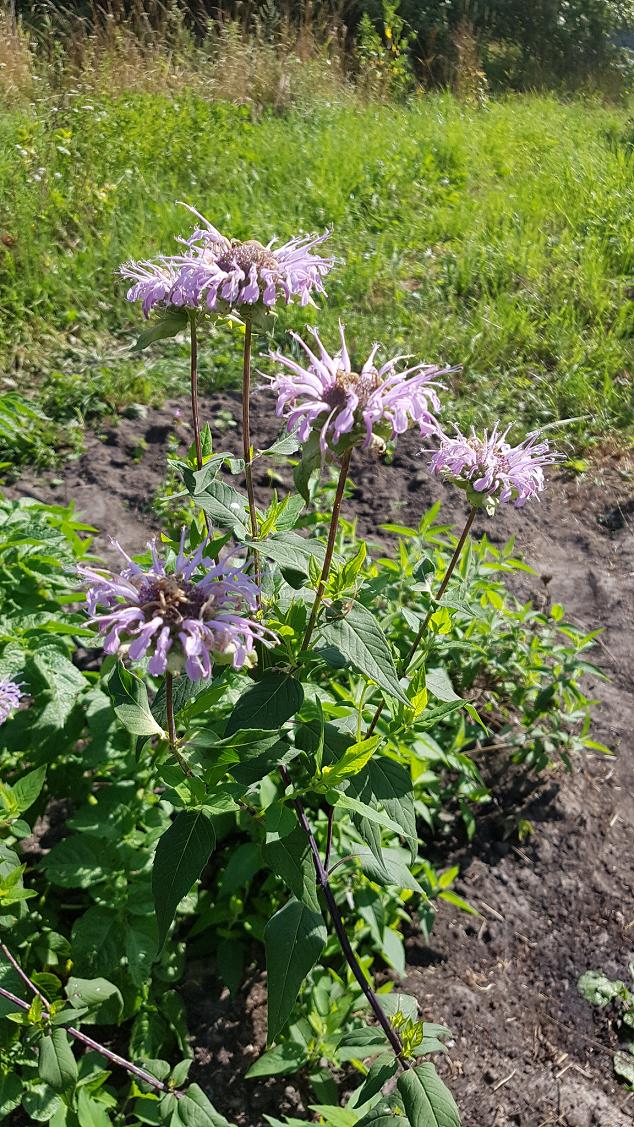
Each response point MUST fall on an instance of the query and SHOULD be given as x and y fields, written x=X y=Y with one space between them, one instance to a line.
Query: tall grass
x=500 y=239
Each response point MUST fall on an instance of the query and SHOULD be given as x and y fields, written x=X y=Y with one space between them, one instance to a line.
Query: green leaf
x=390 y=870
x=309 y=462
x=290 y=858
x=79 y=861
x=346 y=802
x=27 y=789
x=624 y=1066
x=384 y=1116
x=97 y=941
x=381 y=1071
x=183 y=691
x=103 y=999
x=294 y=940
x=286 y=1057
x=427 y=1102
x=194 y=1110
x=290 y=550
x=130 y=702
x=40 y=1103
x=57 y=1066
x=355 y=632
x=168 y=326
x=226 y=507
x=140 y=947
x=181 y=855
x=90 y=1112
x=352 y=761
x=336 y=1116
x=63 y=683
x=438 y=682
x=268 y=704
x=10 y=1093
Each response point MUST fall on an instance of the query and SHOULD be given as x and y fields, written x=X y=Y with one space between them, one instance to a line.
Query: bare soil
x=528 y=1050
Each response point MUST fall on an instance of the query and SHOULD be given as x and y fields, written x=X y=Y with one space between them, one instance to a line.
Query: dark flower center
x=347 y=382
x=245 y=255
x=172 y=598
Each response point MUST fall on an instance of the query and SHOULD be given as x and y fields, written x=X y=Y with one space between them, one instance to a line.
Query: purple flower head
x=329 y=395
x=190 y=617
x=490 y=469
x=216 y=273
x=10 y=696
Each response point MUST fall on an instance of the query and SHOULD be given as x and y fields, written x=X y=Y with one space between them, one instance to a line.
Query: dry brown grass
x=244 y=61
x=16 y=60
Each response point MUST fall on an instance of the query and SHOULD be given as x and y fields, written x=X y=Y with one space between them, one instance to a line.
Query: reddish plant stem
x=194 y=399
x=77 y=1035
x=342 y=936
x=171 y=725
x=246 y=442
x=407 y=660
x=330 y=811
x=330 y=547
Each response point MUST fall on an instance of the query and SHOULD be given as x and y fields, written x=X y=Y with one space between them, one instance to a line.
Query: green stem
x=330 y=547
x=171 y=725
x=407 y=660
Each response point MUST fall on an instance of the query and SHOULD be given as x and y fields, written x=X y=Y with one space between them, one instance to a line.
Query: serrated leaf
x=355 y=632
x=130 y=702
x=27 y=789
x=427 y=1102
x=168 y=326
x=97 y=941
x=56 y=1064
x=63 y=682
x=225 y=506
x=268 y=704
x=294 y=939
x=439 y=683
x=181 y=855
x=290 y=550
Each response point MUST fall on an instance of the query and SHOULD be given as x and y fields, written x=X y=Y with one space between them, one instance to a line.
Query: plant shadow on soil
x=528 y=1051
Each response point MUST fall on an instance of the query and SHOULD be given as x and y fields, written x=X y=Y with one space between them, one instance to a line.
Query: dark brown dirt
x=528 y=1050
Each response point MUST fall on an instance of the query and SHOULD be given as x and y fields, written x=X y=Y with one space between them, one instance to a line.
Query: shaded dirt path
x=528 y=1050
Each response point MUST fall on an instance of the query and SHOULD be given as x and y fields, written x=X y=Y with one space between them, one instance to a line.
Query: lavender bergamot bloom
x=10 y=696
x=490 y=469
x=216 y=273
x=189 y=617
x=330 y=396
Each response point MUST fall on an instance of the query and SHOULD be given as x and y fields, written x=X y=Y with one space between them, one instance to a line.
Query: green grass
x=501 y=240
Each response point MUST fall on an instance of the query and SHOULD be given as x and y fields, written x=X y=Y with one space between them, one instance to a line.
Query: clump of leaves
x=615 y=996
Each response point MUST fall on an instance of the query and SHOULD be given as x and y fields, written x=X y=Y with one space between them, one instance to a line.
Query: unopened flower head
x=490 y=469
x=329 y=395
x=216 y=273
x=192 y=616
x=10 y=696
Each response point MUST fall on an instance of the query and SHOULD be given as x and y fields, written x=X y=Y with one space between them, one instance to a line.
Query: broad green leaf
x=140 y=947
x=10 y=1093
x=97 y=942
x=355 y=632
x=286 y=444
x=388 y=784
x=390 y=870
x=346 y=802
x=56 y=1065
x=290 y=550
x=624 y=1066
x=427 y=1102
x=181 y=855
x=290 y=858
x=130 y=702
x=439 y=683
x=90 y=1112
x=63 y=683
x=385 y=1116
x=352 y=761
x=336 y=1116
x=381 y=1071
x=27 y=789
x=168 y=326
x=294 y=939
x=286 y=1057
x=226 y=507
x=103 y=999
x=310 y=461
x=79 y=861
x=268 y=704
x=41 y=1103
x=195 y=1110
